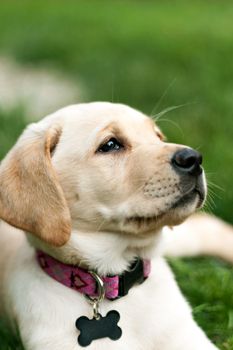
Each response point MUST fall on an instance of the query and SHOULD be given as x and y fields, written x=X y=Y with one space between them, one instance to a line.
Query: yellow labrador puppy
x=92 y=186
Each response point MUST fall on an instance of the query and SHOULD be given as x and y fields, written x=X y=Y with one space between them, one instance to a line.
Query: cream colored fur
x=95 y=198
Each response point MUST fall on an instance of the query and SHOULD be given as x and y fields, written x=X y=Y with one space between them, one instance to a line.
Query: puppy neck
x=104 y=252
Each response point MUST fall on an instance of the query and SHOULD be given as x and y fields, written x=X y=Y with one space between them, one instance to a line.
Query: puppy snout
x=187 y=161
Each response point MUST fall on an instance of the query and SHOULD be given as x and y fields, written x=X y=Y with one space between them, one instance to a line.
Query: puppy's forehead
x=101 y=112
x=94 y=118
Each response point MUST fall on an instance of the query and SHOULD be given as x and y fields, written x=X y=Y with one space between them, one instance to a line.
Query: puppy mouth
x=189 y=197
x=144 y=220
x=148 y=220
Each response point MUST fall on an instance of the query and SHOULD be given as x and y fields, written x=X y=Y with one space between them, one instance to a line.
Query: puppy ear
x=31 y=197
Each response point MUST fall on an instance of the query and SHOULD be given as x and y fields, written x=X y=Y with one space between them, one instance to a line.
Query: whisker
x=163 y=95
x=207 y=209
x=101 y=225
x=211 y=203
x=212 y=193
x=173 y=123
x=212 y=184
x=198 y=147
x=113 y=88
x=157 y=116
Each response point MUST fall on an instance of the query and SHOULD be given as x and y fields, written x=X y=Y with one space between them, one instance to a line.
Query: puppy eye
x=111 y=146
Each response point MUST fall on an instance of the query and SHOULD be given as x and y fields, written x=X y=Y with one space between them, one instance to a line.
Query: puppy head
x=110 y=167
x=119 y=175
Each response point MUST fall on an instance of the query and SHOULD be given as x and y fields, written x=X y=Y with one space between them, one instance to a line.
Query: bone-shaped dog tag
x=97 y=328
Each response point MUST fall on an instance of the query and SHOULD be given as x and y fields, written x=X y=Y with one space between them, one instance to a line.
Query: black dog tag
x=97 y=328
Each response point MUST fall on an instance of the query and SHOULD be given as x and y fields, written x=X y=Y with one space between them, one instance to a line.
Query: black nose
x=187 y=161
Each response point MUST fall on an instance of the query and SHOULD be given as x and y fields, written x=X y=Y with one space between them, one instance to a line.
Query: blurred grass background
x=150 y=55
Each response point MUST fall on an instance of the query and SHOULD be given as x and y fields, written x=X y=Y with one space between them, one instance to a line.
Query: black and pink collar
x=83 y=281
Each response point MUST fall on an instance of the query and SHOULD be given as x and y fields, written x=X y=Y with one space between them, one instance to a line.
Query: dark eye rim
x=120 y=143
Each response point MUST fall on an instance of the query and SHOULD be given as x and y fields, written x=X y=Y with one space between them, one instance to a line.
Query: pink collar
x=82 y=281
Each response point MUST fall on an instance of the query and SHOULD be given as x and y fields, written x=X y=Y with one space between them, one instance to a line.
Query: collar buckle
x=129 y=278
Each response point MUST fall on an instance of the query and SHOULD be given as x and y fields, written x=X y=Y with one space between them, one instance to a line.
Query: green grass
x=8 y=341
x=150 y=55
x=12 y=122
x=207 y=283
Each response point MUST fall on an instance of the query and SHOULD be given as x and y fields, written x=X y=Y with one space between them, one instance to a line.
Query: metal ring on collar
x=100 y=288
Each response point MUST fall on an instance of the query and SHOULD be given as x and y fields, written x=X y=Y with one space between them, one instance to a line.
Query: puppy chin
x=151 y=223
x=181 y=210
